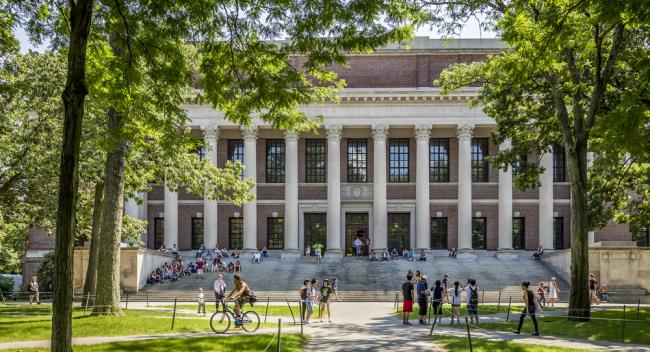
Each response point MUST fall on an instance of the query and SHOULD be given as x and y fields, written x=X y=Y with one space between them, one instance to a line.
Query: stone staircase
x=362 y=280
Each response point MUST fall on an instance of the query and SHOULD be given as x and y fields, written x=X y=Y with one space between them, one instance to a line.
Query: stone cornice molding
x=334 y=132
x=465 y=131
x=249 y=132
x=210 y=133
x=422 y=132
x=379 y=132
x=291 y=136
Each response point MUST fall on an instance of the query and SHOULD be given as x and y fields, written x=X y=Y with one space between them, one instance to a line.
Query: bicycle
x=220 y=320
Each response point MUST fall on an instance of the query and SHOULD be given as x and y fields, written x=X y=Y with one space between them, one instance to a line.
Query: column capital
x=210 y=133
x=291 y=136
x=334 y=132
x=380 y=132
x=422 y=132
x=249 y=132
x=465 y=131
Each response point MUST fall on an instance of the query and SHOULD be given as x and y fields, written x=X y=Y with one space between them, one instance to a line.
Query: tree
x=573 y=73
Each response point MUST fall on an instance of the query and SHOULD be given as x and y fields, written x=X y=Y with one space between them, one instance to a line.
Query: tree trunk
x=91 y=273
x=108 y=269
x=579 y=302
x=73 y=98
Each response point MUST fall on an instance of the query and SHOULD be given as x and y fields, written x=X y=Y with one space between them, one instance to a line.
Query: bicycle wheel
x=250 y=321
x=220 y=322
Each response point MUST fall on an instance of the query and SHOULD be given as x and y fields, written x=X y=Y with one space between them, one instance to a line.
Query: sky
x=471 y=30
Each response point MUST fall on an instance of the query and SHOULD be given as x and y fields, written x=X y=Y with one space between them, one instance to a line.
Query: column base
x=333 y=255
x=290 y=255
x=506 y=254
x=466 y=254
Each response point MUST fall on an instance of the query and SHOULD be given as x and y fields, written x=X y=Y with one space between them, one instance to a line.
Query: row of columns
x=379 y=236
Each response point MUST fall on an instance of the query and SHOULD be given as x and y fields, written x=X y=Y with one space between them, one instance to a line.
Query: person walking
x=593 y=289
x=437 y=301
x=407 y=294
x=471 y=293
x=219 y=292
x=303 y=299
x=541 y=294
x=455 y=293
x=529 y=309
x=34 y=292
x=312 y=299
x=553 y=291
x=324 y=304
x=335 y=286
x=201 y=301
x=422 y=290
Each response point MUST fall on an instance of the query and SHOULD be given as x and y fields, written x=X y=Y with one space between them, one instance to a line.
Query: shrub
x=6 y=284
x=45 y=273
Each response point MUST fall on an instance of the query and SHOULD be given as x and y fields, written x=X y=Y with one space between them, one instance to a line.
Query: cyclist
x=241 y=294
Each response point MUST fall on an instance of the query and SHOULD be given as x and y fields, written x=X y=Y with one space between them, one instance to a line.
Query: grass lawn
x=483 y=309
x=20 y=323
x=259 y=308
x=481 y=345
x=596 y=329
x=243 y=343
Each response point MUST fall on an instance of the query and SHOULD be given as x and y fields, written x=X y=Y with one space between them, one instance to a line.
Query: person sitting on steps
x=538 y=253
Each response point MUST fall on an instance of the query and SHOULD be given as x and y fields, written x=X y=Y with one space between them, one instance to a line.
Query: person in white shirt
x=257 y=257
x=318 y=254
x=201 y=301
x=219 y=292
x=357 y=246
x=455 y=298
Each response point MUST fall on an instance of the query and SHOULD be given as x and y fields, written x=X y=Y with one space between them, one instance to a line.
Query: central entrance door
x=399 y=231
x=316 y=230
x=356 y=226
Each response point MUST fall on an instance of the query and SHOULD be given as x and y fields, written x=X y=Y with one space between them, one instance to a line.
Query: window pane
x=275 y=233
x=558 y=233
x=236 y=233
x=399 y=160
x=357 y=160
x=438 y=233
x=197 y=232
x=479 y=162
x=518 y=233
x=479 y=233
x=236 y=151
x=439 y=160
x=643 y=237
x=275 y=160
x=315 y=161
x=558 y=164
x=158 y=232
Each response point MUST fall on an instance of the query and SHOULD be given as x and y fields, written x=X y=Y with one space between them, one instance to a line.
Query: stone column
x=379 y=215
x=171 y=218
x=250 y=171
x=334 y=191
x=422 y=215
x=546 y=202
x=505 y=207
x=591 y=238
x=291 y=249
x=210 y=219
x=131 y=208
x=464 y=133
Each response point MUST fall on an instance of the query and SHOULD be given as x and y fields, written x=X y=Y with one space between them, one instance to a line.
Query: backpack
x=473 y=296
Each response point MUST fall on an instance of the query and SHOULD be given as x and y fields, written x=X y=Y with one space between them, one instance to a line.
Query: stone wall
x=616 y=267
x=135 y=266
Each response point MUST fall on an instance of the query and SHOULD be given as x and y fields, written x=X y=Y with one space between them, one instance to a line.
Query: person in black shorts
x=325 y=292
x=437 y=301
x=423 y=299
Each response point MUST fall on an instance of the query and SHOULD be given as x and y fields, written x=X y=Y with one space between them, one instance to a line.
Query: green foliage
x=45 y=274
x=6 y=284
x=132 y=231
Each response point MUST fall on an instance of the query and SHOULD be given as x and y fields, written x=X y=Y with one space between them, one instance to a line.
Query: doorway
x=356 y=226
x=399 y=231
x=316 y=230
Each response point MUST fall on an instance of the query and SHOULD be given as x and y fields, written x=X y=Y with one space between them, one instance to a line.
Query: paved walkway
x=368 y=327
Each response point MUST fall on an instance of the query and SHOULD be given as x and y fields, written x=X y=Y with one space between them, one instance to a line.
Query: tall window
x=275 y=233
x=236 y=233
x=315 y=161
x=480 y=169
x=479 y=233
x=398 y=154
x=158 y=232
x=438 y=233
x=197 y=232
x=236 y=151
x=439 y=160
x=275 y=160
x=559 y=169
x=357 y=160
x=558 y=233
x=518 y=233
x=643 y=237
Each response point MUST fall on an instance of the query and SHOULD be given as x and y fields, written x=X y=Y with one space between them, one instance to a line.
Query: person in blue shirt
x=422 y=290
